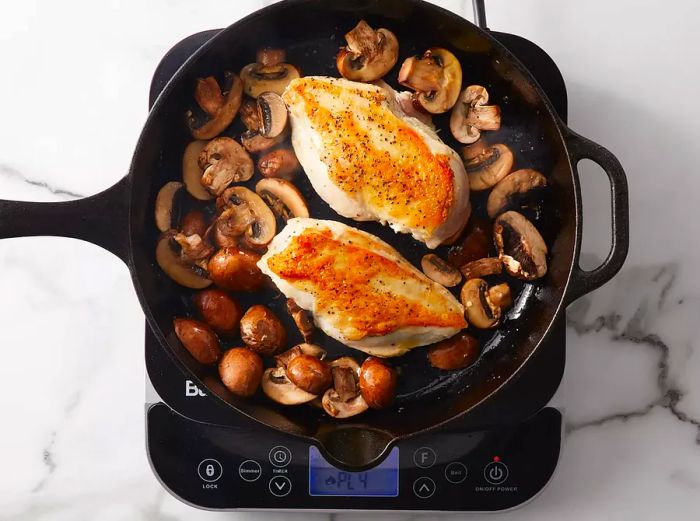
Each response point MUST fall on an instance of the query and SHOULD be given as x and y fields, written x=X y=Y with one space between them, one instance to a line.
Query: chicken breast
x=370 y=161
x=360 y=290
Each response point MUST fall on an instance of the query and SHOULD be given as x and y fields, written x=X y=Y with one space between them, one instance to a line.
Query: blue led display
x=326 y=480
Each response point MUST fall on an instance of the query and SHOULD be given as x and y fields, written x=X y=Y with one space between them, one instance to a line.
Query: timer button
x=424 y=487
x=455 y=472
x=424 y=457
x=280 y=456
x=496 y=472
x=210 y=470
x=280 y=486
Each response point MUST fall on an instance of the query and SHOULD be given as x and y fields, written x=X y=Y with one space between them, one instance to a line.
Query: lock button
x=210 y=470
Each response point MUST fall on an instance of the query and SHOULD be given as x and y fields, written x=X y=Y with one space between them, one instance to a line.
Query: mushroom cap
x=167 y=205
x=192 y=173
x=369 y=54
x=436 y=77
x=306 y=349
x=486 y=166
x=262 y=330
x=280 y=389
x=281 y=163
x=224 y=161
x=235 y=270
x=471 y=115
x=521 y=248
x=377 y=383
x=255 y=143
x=199 y=340
x=511 y=187
x=249 y=210
x=481 y=312
x=309 y=373
x=218 y=106
x=170 y=261
x=440 y=271
x=283 y=198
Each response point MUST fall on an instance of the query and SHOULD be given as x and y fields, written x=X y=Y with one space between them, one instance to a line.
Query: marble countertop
x=75 y=81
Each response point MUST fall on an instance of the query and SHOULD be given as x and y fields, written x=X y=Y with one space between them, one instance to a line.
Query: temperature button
x=496 y=472
x=280 y=486
x=424 y=487
x=210 y=470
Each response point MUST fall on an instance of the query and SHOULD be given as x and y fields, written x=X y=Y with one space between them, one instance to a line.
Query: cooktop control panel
x=228 y=467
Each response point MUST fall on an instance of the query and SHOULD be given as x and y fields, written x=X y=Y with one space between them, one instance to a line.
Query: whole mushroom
x=235 y=270
x=369 y=53
x=220 y=311
x=240 y=370
x=457 y=352
x=262 y=331
x=471 y=115
x=377 y=383
x=198 y=339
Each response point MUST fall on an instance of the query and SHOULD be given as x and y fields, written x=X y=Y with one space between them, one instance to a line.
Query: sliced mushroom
x=511 y=187
x=486 y=166
x=501 y=296
x=235 y=270
x=340 y=409
x=192 y=173
x=369 y=54
x=282 y=163
x=471 y=115
x=168 y=205
x=272 y=114
x=346 y=377
x=283 y=198
x=184 y=273
x=224 y=161
x=302 y=319
x=283 y=359
x=482 y=268
x=255 y=143
x=268 y=74
x=250 y=115
x=440 y=271
x=277 y=387
x=520 y=246
x=480 y=311
x=217 y=105
x=436 y=77
x=245 y=210
x=193 y=248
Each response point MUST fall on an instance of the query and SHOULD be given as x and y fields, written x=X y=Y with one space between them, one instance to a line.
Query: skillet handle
x=581 y=281
x=101 y=219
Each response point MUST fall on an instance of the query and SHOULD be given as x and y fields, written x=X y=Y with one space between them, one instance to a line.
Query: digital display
x=326 y=480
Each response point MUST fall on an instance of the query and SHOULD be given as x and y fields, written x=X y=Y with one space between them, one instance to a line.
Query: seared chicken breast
x=360 y=290
x=370 y=161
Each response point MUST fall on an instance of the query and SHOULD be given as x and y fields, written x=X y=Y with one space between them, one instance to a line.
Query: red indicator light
x=496 y=459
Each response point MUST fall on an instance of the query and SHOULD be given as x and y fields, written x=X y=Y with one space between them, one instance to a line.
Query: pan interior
x=311 y=32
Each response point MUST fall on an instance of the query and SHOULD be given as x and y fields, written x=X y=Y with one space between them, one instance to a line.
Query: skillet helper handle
x=101 y=219
x=583 y=282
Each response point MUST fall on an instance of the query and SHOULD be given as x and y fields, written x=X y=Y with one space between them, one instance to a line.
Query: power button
x=496 y=472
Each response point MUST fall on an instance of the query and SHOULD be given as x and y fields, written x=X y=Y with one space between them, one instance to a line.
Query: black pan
x=121 y=218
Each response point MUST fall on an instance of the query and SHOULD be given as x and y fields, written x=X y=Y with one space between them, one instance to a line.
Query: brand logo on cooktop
x=192 y=390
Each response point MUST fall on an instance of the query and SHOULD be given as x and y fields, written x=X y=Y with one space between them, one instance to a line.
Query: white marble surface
x=74 y=83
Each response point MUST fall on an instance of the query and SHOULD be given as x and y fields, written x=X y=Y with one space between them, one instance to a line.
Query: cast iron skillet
x=121 y=218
